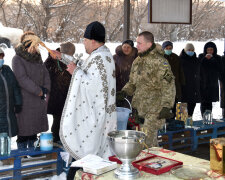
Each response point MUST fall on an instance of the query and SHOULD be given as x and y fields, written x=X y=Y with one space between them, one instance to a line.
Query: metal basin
x=126 y=145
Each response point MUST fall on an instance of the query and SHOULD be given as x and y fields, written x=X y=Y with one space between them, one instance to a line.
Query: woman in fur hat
x=34 y=80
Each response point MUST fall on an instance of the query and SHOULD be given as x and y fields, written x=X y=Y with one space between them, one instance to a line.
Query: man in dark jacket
x=210 y=71
x=60 y=81
x=176 y=68
x=10 y=99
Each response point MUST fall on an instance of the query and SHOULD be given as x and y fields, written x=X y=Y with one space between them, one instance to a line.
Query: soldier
x=152 y=85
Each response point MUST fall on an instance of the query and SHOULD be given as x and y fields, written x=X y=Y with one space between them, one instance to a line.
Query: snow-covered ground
x=178 y=46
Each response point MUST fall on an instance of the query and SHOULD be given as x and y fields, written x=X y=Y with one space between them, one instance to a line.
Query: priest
x=89 y=113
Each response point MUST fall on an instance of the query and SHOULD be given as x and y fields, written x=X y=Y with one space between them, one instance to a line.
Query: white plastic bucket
x=46 y=141
x=122 y=116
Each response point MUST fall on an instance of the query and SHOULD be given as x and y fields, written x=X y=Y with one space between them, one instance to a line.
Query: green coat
x=151 y=82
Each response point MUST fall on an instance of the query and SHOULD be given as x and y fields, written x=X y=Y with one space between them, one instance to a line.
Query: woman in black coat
x=222 y=86
x=177 y=69
x=60 y=81
x=10 y=99
x=210 y=71
x=191 y=68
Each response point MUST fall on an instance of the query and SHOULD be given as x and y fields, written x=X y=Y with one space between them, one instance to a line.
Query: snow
x=178 y=46
x=13 y=34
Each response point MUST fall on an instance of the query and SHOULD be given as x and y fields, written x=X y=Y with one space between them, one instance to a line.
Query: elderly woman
x=34 y=80
x=211 y=68
x=124 y=57
x=191 y=68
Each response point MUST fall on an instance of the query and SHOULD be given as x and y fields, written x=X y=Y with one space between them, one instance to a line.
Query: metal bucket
x=122 y=116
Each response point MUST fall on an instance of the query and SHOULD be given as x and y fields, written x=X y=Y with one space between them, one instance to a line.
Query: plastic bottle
x=189 y=122
x=207 y=117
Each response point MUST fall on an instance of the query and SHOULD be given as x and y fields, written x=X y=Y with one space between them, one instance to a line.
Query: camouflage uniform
x=153 y=87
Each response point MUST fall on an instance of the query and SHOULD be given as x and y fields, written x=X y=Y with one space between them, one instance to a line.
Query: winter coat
x=210 y=72
x=123 y=66
x=31 y=74
x=191 y=68
x=222 y=83
x=178 y=72
x=60 y=81
x=10 y=95
x=151 y=82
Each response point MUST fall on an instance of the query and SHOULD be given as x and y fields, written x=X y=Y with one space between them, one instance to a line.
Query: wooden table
x=186 y=159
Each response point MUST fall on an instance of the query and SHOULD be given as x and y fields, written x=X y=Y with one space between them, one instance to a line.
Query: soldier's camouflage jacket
x=151 y=82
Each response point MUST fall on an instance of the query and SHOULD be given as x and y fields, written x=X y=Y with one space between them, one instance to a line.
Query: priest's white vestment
x=90 y=112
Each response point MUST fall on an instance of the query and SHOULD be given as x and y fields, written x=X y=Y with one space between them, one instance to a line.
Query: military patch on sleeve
x=167 y=76
x=165 y=63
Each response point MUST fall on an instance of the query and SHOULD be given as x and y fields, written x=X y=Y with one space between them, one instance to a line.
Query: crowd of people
x=82 y=97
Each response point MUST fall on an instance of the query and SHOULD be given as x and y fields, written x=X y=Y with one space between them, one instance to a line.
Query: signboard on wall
x=170 y=11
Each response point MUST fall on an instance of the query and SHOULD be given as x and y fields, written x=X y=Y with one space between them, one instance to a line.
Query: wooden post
x=126 y=24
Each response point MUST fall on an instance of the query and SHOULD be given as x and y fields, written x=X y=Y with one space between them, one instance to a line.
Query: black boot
x=22 y=145
x=31 y=143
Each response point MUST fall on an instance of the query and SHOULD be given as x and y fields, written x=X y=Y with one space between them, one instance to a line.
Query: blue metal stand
x=20 y=170
x=188 y=139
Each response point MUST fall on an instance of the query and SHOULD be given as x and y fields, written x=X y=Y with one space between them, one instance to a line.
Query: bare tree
x=66 y=20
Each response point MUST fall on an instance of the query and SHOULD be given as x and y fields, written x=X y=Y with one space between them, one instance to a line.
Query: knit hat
x=67 y=48
x=188 y=47
x=130 y=42
x=167 y=43
x=95 y=31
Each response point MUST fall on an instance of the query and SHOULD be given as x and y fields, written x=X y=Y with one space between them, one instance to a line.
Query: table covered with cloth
x=186 y=159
